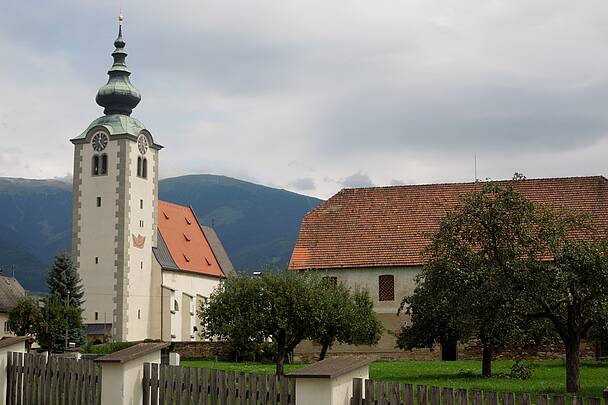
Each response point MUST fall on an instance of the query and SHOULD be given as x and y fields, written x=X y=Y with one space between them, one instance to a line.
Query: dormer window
x=187 y=258
x=188 y=221
x=187 y=238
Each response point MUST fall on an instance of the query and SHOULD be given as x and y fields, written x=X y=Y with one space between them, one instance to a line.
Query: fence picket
x=393 y=394
x=462 y=397
x=284 y=391
x=205 y=387
x=477 y=397
x=448 y=396
x=421 y=395
x=524 y=399
x=594 y=401
x=559 y=400
x=435 y=396
x=213 y=387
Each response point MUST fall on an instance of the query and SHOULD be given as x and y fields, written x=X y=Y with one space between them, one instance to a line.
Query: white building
x=146 y=265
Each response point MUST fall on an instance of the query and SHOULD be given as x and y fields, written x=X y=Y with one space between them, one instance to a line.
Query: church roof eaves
x=116 y=125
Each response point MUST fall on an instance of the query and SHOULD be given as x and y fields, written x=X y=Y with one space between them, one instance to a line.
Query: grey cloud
x=302 y=184
x=397 y=182
x=482 y=117
x=358 y=179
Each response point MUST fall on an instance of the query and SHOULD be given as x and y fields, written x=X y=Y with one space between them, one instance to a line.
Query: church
x=146 y=265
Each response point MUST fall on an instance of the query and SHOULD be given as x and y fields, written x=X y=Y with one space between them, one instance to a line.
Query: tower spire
x=118 y=95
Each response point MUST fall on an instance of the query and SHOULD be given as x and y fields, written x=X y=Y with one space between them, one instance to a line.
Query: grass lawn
x=547 y=376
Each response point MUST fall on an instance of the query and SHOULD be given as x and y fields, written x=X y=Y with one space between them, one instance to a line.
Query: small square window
x=99 y=201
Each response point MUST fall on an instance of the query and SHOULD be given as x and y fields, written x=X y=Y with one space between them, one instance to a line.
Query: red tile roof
x=186 y=241
x=382 y=226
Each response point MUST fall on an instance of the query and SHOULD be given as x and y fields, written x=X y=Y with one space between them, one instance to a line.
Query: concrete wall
x=189 y=290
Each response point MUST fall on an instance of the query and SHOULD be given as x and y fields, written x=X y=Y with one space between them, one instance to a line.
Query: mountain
x=258 y=225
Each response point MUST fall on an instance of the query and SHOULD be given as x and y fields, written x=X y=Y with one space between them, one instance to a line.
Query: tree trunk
x=573 y=364
x=449 y=350
x=324 y=348
x=280 y=360
x=486 y=361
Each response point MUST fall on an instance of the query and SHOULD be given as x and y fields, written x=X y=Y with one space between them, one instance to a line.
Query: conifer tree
x=63 y=280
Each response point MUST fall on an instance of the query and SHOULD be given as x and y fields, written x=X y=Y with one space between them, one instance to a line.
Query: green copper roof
x=118 y=96
x=116 y=124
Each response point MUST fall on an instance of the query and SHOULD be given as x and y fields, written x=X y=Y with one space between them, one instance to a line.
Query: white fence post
x=122 y=373
x=11 y=344
x=330 y=381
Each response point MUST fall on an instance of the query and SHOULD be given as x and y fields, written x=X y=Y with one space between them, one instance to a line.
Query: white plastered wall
x=189 y=285
x=142 y=293
x=3 y=320
x=404 y=284
x=96 y=231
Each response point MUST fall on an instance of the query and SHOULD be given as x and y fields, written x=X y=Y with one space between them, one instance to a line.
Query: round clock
x=99 y=141
x=142 y=144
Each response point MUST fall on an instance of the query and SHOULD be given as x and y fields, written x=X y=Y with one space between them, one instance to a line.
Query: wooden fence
x=394 y=393
x=31 y=379
x=198 y=386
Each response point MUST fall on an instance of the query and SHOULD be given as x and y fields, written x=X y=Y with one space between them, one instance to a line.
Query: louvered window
x=386 y=287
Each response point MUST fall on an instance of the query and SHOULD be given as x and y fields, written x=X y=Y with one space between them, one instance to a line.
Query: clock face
x=142 y=144
x=99 y=141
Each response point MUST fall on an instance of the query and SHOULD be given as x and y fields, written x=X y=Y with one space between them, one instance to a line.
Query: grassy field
x=547 y=376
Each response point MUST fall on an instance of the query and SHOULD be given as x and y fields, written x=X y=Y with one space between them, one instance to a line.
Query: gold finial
x=121 y=18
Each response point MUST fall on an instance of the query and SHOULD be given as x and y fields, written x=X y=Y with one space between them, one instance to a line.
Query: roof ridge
x=599 y=176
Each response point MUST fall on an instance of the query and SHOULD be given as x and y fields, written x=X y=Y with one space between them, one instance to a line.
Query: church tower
x=114 y=213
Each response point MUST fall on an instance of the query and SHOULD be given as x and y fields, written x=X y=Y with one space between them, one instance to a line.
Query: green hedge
x=107 y=348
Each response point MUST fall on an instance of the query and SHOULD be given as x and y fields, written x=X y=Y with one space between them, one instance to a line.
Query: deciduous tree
x=345 y=316
x=24 y=318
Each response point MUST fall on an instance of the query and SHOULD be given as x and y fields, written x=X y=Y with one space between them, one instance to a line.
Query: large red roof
x=384 y=226
x=186 y=241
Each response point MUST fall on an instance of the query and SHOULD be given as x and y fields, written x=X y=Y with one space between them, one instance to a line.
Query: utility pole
x=67 y=305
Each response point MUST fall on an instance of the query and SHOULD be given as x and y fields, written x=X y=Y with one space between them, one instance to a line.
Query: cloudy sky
x=317 y=95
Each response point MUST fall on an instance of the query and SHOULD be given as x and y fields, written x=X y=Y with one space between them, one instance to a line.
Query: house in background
x=11 y=292
x=374 y=237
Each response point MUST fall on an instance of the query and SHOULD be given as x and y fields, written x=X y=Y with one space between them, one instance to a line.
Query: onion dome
x=118 y=96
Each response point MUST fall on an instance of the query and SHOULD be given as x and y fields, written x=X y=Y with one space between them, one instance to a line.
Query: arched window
x=104 y=164
x=386 y=287
x=139 y=166
x=95 y=165
x=144 y=169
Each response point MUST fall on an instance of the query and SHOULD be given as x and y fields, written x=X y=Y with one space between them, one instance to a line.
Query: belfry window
x=144 y=169
x=104 y=164
x=95 y=165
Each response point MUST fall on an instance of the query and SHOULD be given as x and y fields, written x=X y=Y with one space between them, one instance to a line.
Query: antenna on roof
x=475 y=163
